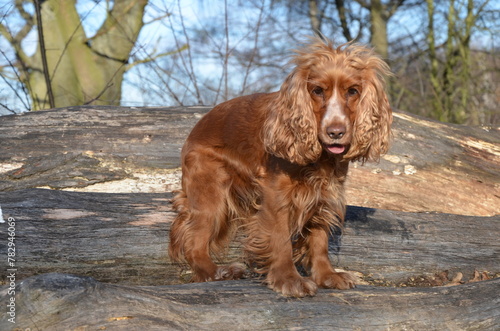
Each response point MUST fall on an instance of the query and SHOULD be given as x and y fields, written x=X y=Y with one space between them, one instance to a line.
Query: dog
x=275 y=164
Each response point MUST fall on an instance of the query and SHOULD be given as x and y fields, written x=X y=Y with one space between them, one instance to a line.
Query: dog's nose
x=336 y=131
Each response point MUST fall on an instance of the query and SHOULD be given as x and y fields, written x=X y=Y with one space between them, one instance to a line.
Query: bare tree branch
x=156 y=56
x=13 y=88
x=340 y=4
x=187 y=63
x=254 y=50
x=41 y=43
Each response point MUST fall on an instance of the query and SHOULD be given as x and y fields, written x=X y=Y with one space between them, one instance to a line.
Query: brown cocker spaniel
x=275 y=165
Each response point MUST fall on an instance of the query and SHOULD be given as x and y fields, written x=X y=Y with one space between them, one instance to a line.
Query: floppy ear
x=372 y=126
x=290 y=129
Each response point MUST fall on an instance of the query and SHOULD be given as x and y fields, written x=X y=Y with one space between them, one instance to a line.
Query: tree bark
x=431 y=166
x=452 y=85
x=120 y=240
x=437 y=105
x=123 y=238
x=314 y=17
x=378 y=28
x=82 y=70
x=65 y=302
x=340 y=4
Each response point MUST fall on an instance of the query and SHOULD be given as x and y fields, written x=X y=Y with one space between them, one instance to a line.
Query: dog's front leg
x=270 y=248
x=322 y=271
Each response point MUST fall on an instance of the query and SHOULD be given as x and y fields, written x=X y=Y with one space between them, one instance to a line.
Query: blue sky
x=157 y=36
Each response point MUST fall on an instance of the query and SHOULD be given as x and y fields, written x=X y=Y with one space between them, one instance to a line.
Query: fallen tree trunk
x=431 y=166
x=120 y=239
x=64 y=302
x=123 y=238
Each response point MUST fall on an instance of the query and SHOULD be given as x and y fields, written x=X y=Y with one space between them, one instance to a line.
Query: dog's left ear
x=372 y=127
x=290 y=129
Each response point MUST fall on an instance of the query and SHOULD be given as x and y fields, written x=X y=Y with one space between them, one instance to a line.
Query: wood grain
x=65 y=302
x=431 y=166
x=98 y=260
x=123 y=238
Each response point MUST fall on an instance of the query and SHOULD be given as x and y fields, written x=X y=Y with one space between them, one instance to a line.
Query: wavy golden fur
x=276 y=164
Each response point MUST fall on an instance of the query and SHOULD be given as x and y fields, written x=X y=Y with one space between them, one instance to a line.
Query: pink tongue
x=336 y=149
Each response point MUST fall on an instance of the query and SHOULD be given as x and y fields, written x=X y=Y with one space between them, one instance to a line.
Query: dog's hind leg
x=202 y=225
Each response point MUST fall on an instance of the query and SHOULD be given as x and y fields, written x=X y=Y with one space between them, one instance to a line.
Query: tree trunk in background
x=465 y=91
x=343 y=19
x=434 y=68
x=83 y=70
x=380 y=14
x=314 y=17
x=378 y=28
x=452 y=86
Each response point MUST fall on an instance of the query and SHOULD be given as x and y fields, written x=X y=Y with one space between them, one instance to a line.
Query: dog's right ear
x=290 y=130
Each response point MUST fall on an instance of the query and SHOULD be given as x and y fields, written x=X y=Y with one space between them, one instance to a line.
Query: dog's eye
x=317 y=90
x=352 y=91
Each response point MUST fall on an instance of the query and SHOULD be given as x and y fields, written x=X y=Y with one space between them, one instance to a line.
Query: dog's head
x=332 y=102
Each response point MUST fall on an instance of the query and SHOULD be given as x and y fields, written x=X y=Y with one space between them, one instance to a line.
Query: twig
x=189 y=65
x=7 y=108
x=153 y=58
x=101 y=93
x=255 y=49
x=26 y=105
x=43 y=53
x=226 y=57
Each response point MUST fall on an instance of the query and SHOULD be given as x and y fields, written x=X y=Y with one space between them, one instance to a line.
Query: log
x=66 y=302
x=431 y=166
x=81 y=146
x=92 y=254
x=123 y=238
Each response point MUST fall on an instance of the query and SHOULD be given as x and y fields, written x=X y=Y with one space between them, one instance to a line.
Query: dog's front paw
x=338 y=280
x=293 y=286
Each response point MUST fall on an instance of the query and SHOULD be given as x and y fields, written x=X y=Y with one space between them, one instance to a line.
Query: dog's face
x=335 y=92
x=333 y=101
